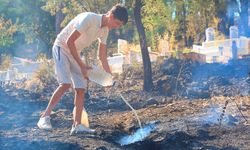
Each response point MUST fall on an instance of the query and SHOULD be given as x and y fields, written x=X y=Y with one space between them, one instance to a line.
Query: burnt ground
x=217 y=120
x=183 y=124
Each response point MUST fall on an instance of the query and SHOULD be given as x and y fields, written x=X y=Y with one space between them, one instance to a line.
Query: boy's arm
x=71 y=45
x=103 y=57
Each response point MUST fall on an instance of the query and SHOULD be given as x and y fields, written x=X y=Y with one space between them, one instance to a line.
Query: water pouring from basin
x=138 y=135
x=105 y=79
x=141 y=133
x=139 y=122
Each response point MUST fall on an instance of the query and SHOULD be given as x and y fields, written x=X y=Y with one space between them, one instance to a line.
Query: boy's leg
x=78 y=101
x=79 y=84
x=77 y=113
x=44 y=121
x=56 y=98
x=62 y=69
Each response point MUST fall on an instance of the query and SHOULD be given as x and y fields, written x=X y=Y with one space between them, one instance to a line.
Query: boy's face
x=114 y=23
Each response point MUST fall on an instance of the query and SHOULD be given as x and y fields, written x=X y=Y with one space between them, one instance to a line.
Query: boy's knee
x=80 y=91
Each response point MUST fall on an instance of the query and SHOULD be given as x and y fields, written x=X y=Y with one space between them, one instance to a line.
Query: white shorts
x=66 y=68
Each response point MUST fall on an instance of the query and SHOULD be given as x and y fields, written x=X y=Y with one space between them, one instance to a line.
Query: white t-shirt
x=89 y=25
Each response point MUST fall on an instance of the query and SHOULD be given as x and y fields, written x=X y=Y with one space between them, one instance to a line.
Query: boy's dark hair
x=120 y=12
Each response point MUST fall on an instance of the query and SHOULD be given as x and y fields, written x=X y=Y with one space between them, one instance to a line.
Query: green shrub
x=5 y=62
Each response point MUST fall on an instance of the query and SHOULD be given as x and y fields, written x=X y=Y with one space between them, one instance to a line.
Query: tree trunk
x=59 y=18
x=185 y=23
x=221 y=14
x=148 y=82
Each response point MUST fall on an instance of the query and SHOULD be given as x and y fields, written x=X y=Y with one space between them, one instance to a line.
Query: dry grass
x=42 y=78
x=5 y=62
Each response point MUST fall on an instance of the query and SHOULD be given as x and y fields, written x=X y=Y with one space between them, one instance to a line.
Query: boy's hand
x=84 y=71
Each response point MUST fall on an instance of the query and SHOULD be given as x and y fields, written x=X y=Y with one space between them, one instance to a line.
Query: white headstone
x=210 y=34
x=234 y=32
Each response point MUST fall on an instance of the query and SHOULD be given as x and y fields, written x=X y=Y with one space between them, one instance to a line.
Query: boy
x=78 y=34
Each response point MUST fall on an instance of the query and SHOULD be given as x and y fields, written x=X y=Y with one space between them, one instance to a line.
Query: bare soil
x=183 y=124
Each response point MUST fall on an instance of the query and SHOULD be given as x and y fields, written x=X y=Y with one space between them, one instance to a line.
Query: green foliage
x=71 y=8
x=155 y=18
x=7 y=29
x=27 y=22
x=183 y=19
x=32 y=24
x=201 y=16
x=38 y=25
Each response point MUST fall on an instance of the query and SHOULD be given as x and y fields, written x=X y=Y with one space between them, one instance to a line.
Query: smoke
x=213 y=116
x=30 y=51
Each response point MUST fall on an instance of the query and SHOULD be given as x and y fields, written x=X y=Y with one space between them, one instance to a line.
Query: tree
x=154 y=17
x=7 y=30
x=34 y=25
x=59 y=17
x=148 y=82
x=66 y=10
x=181 y=15
x=244 y=26
x=201 y=15
x=71 y=8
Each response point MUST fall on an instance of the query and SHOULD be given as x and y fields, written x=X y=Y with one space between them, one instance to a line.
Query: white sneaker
x=80 y=129
x=44 y=123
